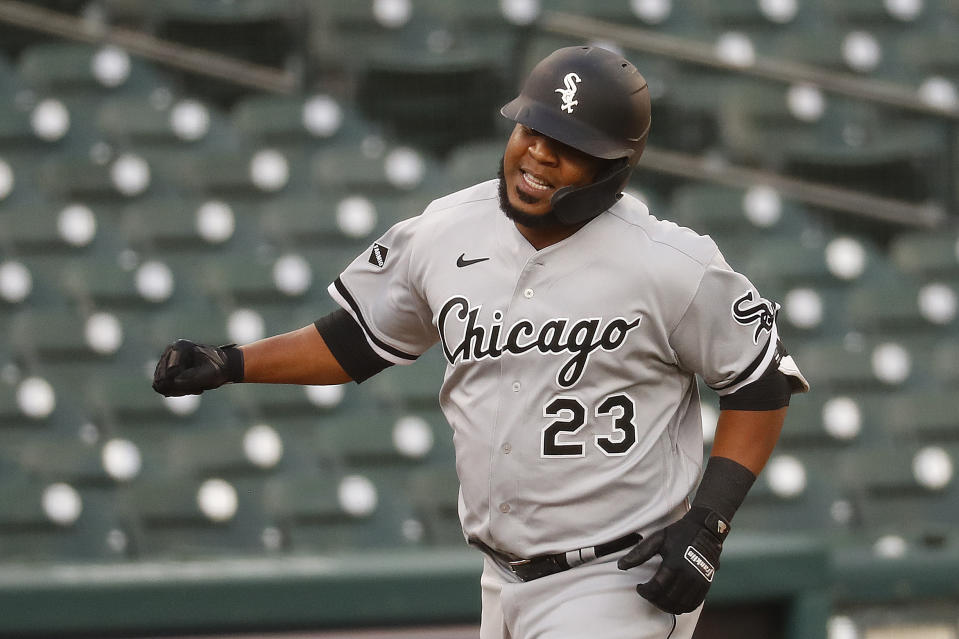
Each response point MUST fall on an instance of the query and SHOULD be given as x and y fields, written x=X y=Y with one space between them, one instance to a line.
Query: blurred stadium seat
x=139 y=204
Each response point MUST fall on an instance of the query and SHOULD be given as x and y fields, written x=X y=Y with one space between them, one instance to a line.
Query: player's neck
x=542 y=236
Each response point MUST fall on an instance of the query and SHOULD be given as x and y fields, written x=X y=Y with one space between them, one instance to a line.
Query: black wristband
x=234 y=362
x=724 y=486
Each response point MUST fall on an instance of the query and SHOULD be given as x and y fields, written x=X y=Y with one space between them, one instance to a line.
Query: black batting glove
x=690 y=550
x=187 y=368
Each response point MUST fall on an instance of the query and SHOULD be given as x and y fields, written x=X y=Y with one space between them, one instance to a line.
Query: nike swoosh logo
x=461 y=261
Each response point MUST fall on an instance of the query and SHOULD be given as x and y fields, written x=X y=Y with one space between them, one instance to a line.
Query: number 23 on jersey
x=571 y=415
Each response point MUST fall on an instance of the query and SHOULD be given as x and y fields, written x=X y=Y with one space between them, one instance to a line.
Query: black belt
x=536 y=567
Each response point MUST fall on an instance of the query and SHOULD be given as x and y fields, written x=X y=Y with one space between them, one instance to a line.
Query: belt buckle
x=522 y=569
x=530 y=569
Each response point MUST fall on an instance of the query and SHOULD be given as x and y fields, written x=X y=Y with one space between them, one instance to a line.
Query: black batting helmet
x=593 y=100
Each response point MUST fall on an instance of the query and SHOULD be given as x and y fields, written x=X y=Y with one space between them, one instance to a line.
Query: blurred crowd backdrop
x=204 y=169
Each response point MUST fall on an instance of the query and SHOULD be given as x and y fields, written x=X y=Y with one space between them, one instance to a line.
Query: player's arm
x=749 y=424
x=298 y=357
x=332 y=350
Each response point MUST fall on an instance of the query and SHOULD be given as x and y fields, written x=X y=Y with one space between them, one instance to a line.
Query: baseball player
x=574 y=324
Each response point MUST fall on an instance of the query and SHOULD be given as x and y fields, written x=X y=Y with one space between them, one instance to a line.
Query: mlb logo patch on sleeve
x=378 y=255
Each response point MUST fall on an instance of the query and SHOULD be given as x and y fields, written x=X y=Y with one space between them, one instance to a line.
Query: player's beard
x=543 y=220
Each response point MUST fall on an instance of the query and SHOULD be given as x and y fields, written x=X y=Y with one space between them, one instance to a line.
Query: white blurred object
x=110 y=66
x=215 y=222
x=735 y=49
x=35 y=398
x=15 y=282
x=932 y=467
x=806 y=102
x=50 y=120
x=322 y=116
x=189 y=120
x=413 y=530
x=292 y=275
x=412 y=436
x=861 y=51
x=841 y=627
x=404 y=168
x=245 y=325
x=272 y=538
x=890 y=547
x=520 y=12
x=841 y=418
x=130 y=174
x=710 y=417
x=89 y=433
x=652 y=11
x=357 y=496
x=217 y=500
x=356 y=216
x=117 y=540
x=392 y=13
x=845 y=258
x=937 y=303
x=804 y=308
x=779 y=11
x=182 y=406
x=6 y=179
x=939 y=92
x=269 y=170
x=891 y=363
x=762 y=206
x=841 y=511
x=154 y=281
x=121 y=459
x=325 y=396
x=263 y=446
x=77 y=225
x=786 y=476
x=904 y=10
x=103 y=333
x=62 y=504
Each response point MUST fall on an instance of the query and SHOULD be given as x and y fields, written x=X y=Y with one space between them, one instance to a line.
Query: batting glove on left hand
x=187 y=368
x=690 y=550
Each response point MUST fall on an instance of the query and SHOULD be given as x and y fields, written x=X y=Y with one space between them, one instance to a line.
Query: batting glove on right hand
x=187 y=368
x=690 y=549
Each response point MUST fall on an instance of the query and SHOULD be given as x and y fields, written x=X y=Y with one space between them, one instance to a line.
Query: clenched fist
x=187 y=368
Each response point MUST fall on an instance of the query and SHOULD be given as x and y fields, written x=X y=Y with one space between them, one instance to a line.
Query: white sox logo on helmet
x=762 y=313
x=463 y=339
x=569 y=92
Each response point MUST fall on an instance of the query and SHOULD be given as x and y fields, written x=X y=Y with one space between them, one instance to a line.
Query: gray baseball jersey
x=570 y=385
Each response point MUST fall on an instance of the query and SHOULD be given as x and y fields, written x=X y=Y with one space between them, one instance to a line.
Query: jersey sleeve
x=728 y=333
x=378 y=290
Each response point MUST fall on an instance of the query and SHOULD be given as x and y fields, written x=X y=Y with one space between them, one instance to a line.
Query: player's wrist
x=234 y=363
x=723 y=488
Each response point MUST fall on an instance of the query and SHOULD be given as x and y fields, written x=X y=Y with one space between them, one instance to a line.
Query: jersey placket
x=510 y=452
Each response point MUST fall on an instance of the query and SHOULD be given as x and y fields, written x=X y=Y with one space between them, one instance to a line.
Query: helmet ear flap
x=573 y=205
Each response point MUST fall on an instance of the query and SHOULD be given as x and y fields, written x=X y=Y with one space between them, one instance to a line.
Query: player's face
x=536 y=166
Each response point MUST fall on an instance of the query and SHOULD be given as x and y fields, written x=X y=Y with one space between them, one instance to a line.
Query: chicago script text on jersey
x=465 y=339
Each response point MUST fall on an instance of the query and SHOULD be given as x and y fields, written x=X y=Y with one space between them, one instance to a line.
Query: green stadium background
x=204 y=168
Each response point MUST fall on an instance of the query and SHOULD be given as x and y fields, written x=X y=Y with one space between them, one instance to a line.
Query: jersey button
x=504 y=508
x=516 y=387
x=507 y=449
x=528 y=293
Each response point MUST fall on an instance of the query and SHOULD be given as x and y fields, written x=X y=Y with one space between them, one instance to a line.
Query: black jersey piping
x=395 y=352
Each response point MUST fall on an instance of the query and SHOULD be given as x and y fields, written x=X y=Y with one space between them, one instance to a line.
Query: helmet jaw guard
x=573 y=205
x=595 y=101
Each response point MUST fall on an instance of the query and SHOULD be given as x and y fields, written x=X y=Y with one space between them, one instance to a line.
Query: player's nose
x=541 y=149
